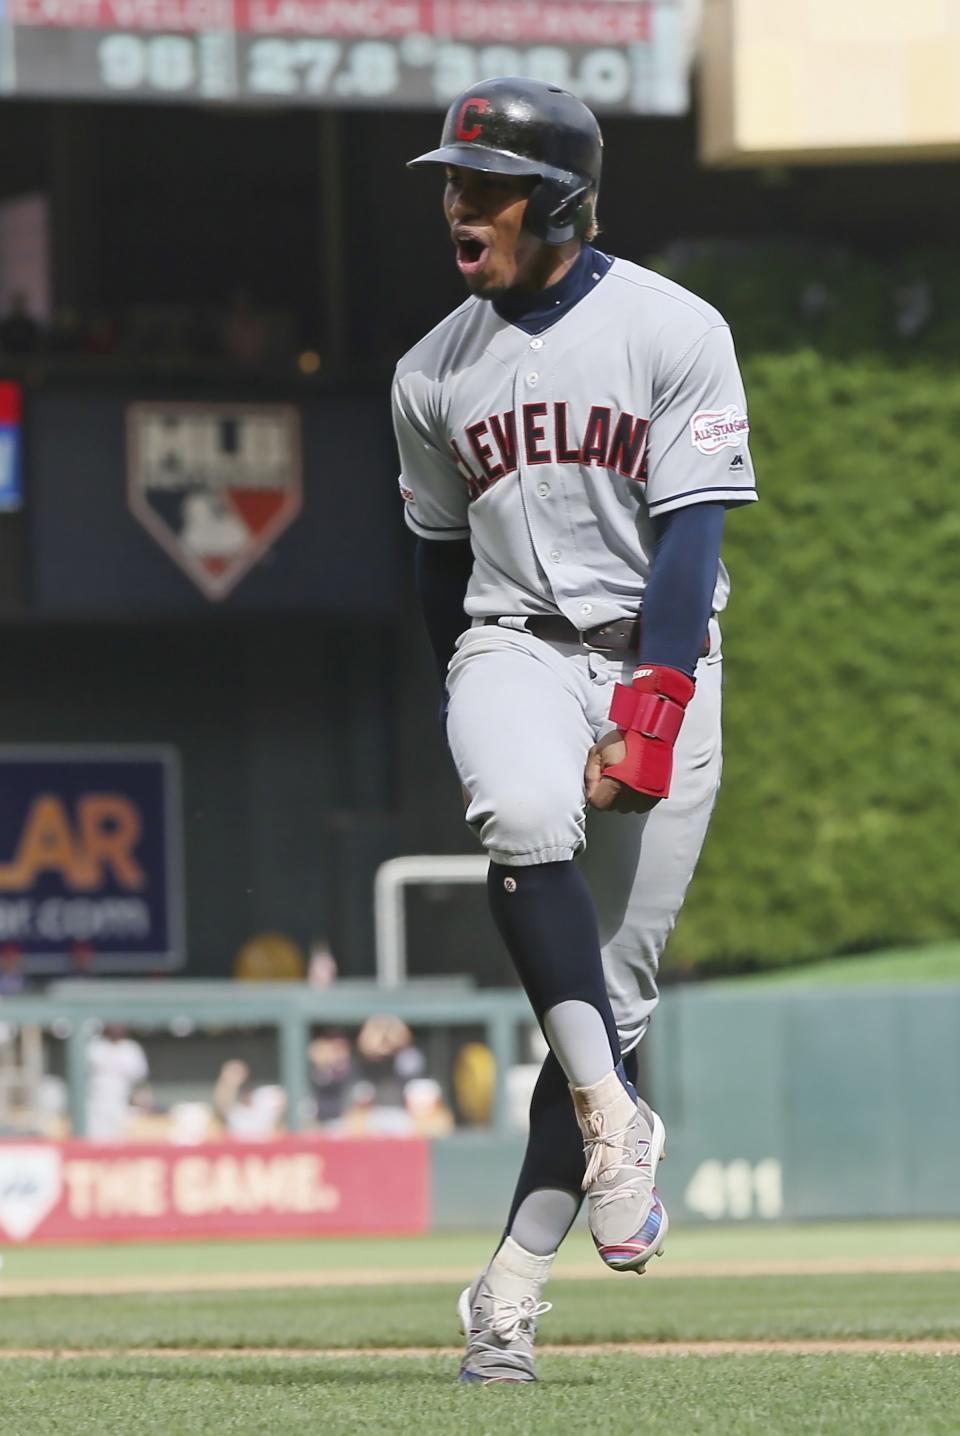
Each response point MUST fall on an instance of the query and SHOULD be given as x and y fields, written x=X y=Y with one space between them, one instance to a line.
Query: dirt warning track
x=152 y=1282
x=860 y=1347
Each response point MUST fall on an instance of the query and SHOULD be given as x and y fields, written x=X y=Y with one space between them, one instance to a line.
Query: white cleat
x=624 y=1142
x=498 y=1316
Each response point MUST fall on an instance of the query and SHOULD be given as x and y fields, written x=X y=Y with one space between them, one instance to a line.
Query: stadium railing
x=79 y=1010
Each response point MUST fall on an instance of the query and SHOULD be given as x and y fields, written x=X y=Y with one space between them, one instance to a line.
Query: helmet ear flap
x=557 y=214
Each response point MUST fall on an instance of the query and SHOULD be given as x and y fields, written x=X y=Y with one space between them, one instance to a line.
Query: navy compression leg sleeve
x=546 y=917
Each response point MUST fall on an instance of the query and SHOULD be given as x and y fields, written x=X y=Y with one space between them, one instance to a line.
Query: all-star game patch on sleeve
x=698 y=448
x=433 y=489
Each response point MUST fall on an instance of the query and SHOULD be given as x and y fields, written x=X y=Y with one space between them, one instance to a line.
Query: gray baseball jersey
x=552 y=452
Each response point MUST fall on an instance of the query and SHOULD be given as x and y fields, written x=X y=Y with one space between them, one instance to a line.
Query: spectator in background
x=321 y=964
x=366 y=1117
x=81 y=960
x=19 y=331
x=249 y=1113
x=245 y=336
x=429 y=1114
x=331 y=1075
x=423 y=1113
x=393 y=1097
x=12 y=980
x=116 y=1067
x=388 y=1057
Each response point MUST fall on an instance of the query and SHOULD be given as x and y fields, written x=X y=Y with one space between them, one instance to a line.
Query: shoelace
x=511 y=1320
x=600 y=1142
x=508 y=1322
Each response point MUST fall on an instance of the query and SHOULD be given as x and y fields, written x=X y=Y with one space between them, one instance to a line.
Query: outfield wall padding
x=813 y=1104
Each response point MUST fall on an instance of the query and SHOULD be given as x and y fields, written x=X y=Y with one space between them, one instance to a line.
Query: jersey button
x=555 y=555
x=536 y=343
x=543 y=490
x=532 y=380
x=586 y=609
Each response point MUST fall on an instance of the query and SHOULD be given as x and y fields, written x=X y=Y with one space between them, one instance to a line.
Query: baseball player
x=570 y=438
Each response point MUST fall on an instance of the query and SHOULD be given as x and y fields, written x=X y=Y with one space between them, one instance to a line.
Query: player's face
x=494 y=251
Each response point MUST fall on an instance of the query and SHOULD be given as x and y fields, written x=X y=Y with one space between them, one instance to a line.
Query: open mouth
x=472 y=254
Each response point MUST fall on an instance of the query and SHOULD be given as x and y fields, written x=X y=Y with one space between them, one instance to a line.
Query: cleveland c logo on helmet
x=478 y=104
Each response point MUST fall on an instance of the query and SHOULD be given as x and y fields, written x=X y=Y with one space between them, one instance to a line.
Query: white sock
x=515 y=1273
x=608 y=1096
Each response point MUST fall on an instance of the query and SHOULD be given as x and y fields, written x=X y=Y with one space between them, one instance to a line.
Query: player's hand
x=606 y=794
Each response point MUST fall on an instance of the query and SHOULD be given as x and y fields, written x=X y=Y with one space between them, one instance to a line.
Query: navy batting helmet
x=513 y=126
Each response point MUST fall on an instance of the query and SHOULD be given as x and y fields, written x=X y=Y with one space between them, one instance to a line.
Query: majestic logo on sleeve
x=714 y=429
x=545 y=434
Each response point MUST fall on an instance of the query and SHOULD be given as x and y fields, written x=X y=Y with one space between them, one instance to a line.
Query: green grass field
x=343 y=1363
x=937 y=962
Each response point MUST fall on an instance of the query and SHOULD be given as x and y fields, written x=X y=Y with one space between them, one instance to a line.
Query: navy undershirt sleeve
x=441 y=572
x=679 y=595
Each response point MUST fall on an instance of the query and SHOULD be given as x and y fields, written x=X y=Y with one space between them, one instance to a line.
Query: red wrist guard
x=649 y=715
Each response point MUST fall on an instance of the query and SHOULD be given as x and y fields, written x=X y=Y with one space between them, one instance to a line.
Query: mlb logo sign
x=214 y=484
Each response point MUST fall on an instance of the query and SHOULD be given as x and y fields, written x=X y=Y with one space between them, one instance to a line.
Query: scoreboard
x=617 y=55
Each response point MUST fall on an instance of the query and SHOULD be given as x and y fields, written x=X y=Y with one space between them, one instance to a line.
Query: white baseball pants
x=523 y=714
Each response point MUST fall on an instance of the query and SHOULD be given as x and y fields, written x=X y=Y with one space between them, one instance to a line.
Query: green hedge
x=838 y=825
x=783 y=298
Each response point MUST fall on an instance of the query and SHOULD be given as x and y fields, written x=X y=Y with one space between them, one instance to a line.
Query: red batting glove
x=649 y=715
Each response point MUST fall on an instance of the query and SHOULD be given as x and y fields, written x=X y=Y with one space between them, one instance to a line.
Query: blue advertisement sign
x=90 y=860
x=11 y=485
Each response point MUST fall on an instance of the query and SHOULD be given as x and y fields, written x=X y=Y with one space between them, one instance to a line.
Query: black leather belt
x=621 y=636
